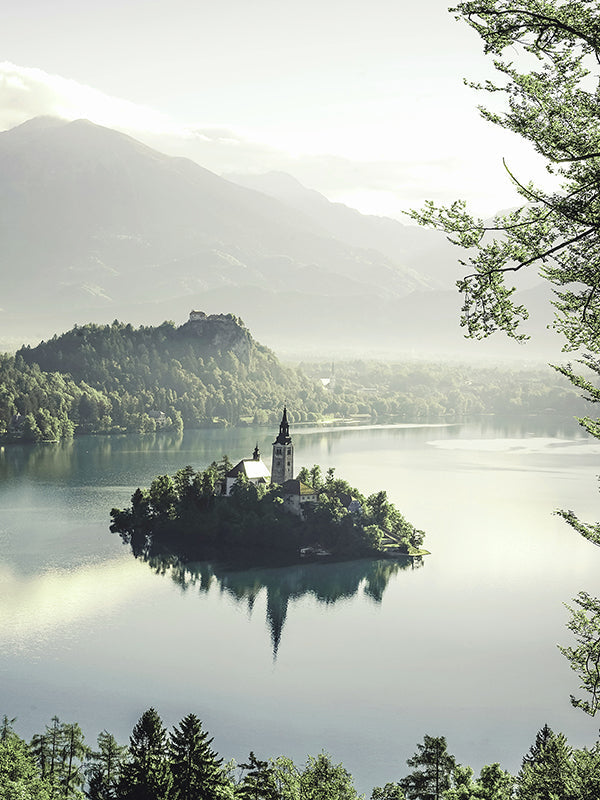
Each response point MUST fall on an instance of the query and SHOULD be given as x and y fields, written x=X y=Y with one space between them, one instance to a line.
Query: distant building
x=255 y=470
x=282 y=464
x=296 y=494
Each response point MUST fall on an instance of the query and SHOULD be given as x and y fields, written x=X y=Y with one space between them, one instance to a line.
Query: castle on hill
x=295 y=493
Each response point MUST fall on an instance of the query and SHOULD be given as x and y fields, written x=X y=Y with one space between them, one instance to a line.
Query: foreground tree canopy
x=182 y=765
x=547 y=53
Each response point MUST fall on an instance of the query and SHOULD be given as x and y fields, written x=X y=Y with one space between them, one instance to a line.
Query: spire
x=284 y=430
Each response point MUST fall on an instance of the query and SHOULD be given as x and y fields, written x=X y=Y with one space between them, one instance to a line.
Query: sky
x=363 y=100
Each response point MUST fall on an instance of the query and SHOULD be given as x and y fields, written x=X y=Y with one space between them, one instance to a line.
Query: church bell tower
x=282 y=467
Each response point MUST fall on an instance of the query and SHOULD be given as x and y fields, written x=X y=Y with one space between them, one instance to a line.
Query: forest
x=117 y=379
x=181 y=764
x=188 y=516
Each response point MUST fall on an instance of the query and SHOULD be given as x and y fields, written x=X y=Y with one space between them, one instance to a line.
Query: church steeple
x=284 y=430
x=282 y=467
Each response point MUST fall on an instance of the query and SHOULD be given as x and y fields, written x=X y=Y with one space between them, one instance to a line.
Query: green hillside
x=206 y=372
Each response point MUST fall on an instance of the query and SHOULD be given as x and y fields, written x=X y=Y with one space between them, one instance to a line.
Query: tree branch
x=529 y=261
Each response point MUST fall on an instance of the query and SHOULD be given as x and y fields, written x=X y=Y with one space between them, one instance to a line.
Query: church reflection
x=327 y=583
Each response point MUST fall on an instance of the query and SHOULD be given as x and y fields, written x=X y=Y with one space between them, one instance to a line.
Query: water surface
x=370 y=656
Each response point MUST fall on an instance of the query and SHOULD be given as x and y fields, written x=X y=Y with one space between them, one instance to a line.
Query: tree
x=585 y=657
x=259 y=781
x=548 y=770
x=324 y=780
x=104 y=767
x=555 y=108
x=587 y=767
x=552 y=102
x=287 y=778
x=73 y=754
x=146 y=775
x=434 y=770
x=59 y=753
x=391 y=791
x=463 y=787
x=196 y=769
x=19 y=776
x=494 y=783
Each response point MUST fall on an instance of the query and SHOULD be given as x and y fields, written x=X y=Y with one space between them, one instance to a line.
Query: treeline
x=188 y=516
x=182 y=765
x=117 y=378
x=417 y=390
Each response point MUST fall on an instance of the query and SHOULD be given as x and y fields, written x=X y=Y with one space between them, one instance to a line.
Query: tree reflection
x=328 y=583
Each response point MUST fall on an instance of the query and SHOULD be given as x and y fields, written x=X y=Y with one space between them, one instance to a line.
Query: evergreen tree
x=196 y=769
x=259 y=781
x=146 y=775
x=73 y=755
x=548 y=771
x=434 y=770
x=105 y=767
x=587 y=768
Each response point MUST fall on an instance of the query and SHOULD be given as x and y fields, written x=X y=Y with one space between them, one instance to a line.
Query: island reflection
x=328 y=583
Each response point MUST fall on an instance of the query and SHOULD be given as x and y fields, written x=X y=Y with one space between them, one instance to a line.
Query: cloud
x=27 y=92
x=379 y=184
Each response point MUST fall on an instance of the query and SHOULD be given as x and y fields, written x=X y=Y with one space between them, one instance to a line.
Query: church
x=295 y=493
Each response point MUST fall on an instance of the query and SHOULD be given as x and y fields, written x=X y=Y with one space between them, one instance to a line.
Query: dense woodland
x=182 y=765
x=188 y=516
x=116 y=378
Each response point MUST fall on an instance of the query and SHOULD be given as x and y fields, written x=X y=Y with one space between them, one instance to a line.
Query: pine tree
x=105 y=767
x=548 y=770
x=435 y=767
x=196 y=768
x=259 y=781
x=146 y=775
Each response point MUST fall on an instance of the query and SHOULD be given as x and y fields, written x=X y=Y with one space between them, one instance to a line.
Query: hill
x=119 y=378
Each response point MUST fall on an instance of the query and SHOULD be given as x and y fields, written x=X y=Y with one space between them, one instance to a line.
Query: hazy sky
x=361 y=99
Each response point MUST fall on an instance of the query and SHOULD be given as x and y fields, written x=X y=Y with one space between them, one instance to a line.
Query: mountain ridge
x=98 y=225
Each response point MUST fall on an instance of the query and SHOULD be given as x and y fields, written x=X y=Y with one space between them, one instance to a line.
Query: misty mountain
x=97 y=226
x=427 y=251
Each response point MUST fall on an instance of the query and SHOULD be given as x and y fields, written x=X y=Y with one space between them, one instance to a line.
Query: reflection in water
x=328 y=583
x=32 y=607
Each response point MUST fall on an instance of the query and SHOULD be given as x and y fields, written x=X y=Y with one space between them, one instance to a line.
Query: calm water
x=370 y=656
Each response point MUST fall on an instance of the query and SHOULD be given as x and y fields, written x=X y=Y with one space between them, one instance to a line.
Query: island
x=246 y=513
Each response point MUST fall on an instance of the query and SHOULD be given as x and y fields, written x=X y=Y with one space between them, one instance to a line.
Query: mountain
x=428 y=251
x=97 y=226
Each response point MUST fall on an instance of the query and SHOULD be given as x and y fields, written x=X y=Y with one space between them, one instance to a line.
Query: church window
x=278 y=451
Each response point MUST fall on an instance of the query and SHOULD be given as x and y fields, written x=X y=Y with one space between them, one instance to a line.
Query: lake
x=360 y=659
